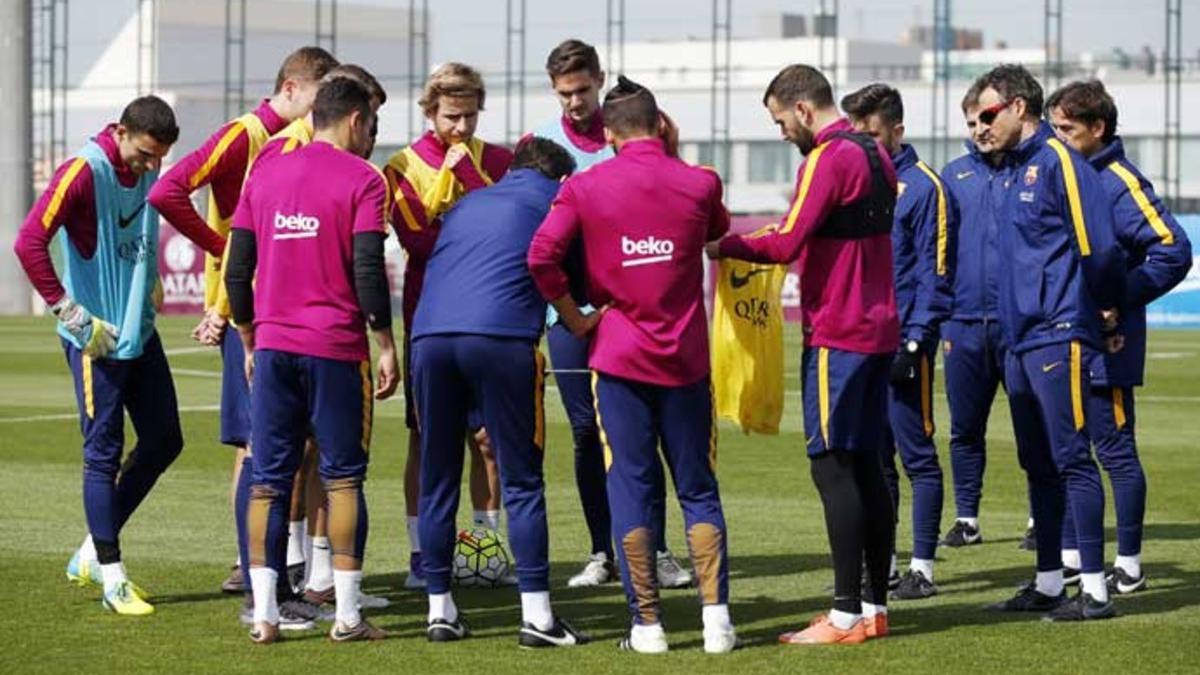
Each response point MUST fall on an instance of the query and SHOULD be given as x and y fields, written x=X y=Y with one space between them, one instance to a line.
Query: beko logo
x=648 y=250
x=296 y=226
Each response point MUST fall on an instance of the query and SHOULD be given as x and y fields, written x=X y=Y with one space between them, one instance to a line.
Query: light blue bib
x=115 y=284
x=584 y=160
x=553 y=131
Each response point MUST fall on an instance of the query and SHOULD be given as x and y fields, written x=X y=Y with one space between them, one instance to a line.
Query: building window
x=770 y=162
x=718 y=160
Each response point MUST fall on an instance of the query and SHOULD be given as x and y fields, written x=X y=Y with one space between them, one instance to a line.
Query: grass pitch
x=180 y=546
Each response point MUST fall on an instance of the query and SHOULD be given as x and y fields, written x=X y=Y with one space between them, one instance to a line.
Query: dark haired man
x=105 y=308
x=973 y=349
x=312 y=223
x=474 y=342
x=309 y=506
x=1158 y=256
x=577 y=80
x=643 y=218
x=221 y=163
x=923 y=238
x=1061 y=285
x=840 y=220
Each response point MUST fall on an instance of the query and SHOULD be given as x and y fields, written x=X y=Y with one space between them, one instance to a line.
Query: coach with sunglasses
x=1061 y=277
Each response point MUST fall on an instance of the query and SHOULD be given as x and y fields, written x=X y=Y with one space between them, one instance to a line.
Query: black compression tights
x=860 y=520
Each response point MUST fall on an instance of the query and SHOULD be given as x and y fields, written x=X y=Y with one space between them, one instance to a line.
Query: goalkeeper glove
x=98 y=337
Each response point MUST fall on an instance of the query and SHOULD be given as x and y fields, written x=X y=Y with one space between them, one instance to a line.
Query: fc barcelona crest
x=1031 y=174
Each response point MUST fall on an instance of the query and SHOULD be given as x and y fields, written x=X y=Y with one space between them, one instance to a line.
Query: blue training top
x=477 y=280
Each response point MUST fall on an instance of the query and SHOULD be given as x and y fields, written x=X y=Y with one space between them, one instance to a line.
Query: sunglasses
x=988 y=114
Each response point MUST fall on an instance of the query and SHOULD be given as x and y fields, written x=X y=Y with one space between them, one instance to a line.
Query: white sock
x=923 y=566
x=716 y=617
x=1094 y=585
x=441 y=606
x=646 y=631
x=1050 y=583
x=1070 y=558
x=295 y=546
x=489 y=519
x=262 y=585
x=348 y=584
x=869 y=610
x=113 y=574
x=308 y=556
x=87 y=550
x=892 y=569
x=414 y=535
x=972 y=522
x=535 y=609
x=1132 y=564
x=320 y=569
x=843 y=620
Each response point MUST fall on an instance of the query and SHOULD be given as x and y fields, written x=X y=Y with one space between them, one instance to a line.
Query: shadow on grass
x=601 y=611
x=1169 y=588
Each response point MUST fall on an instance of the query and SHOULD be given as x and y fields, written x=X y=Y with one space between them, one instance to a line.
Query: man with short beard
x=840 y=227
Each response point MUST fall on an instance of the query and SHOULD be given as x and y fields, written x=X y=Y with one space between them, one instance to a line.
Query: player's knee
x=341 y=486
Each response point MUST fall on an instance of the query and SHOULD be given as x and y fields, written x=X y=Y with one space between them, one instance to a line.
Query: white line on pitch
x=74 y=416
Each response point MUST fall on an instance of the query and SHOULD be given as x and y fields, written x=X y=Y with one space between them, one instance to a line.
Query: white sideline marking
x=75 y=416
x=190 y=350
x=195 y=373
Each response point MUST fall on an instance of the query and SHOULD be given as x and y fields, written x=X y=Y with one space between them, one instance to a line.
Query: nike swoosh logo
x=964 y=174
x=740 y=281
x=1051 y=366
x=124 y=221
x=565 y=639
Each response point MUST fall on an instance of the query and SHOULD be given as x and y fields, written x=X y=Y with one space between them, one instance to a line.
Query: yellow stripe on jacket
x=1073 y=199
x=941 y=217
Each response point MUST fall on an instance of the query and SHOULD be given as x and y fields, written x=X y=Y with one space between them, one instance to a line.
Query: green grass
x=180 y=545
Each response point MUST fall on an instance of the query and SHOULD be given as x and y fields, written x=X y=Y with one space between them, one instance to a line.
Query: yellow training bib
x=747 y=345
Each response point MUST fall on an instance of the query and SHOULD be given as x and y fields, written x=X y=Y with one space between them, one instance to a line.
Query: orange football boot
x=821 y=631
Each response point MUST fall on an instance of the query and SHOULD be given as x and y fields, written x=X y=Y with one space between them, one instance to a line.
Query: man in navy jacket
x=1061 y=283
x=1158 y=257
x=923 y=236
x=973 y=348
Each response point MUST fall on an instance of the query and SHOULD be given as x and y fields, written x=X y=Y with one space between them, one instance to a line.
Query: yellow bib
x=214 y=285
x=437 y=187
x=747 y=345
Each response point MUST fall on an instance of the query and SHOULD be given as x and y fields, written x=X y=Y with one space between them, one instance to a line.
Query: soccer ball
x=480 y=559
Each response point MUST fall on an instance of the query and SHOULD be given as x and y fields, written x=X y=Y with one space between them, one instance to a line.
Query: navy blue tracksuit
x=474 y=343
x=104 y=390
x=1158 y=256
x=923 y=236
x=1062 y=266
x=973 y=349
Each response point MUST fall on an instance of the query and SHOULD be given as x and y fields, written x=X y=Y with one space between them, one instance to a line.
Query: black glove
x=907 y=363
